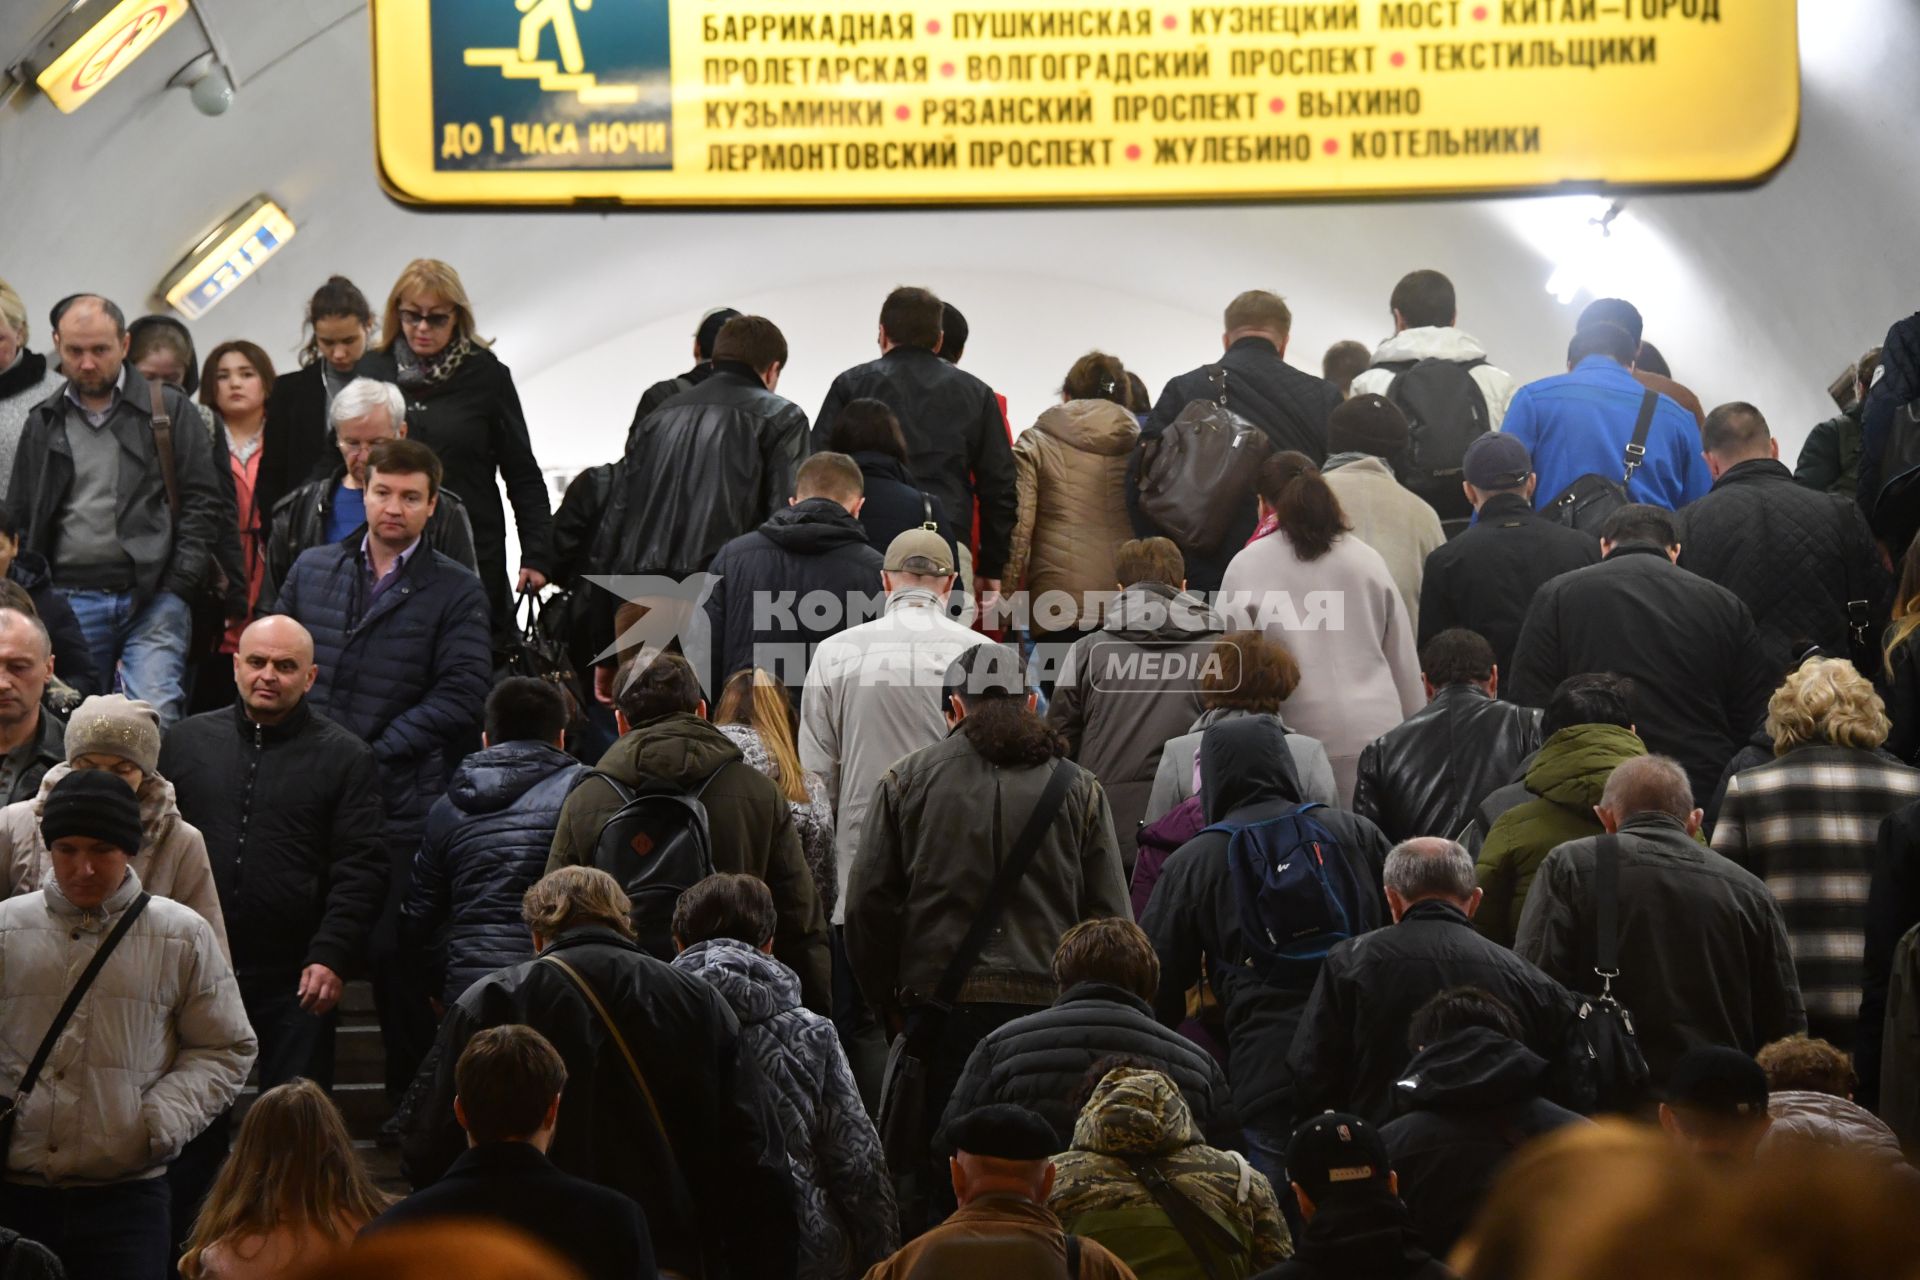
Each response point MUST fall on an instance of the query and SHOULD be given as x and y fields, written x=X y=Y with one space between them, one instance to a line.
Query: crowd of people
x=1338 y=827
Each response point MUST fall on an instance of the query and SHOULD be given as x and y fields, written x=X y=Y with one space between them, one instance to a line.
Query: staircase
x=359 y=1087
x=582 y=85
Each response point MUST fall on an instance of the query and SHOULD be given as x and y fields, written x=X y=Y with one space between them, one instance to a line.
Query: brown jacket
x=1005 y=1237
x=1070 y=471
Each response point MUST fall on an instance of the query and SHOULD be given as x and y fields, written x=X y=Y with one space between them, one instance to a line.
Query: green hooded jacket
x=1566 y=780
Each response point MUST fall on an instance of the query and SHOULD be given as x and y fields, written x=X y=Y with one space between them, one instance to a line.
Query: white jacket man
x=872 y=693
x=158 y=1047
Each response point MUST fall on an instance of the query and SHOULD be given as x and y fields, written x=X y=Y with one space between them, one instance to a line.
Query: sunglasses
x=429 y=319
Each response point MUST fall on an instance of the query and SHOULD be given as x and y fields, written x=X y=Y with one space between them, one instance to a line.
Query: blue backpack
x=1294 y=894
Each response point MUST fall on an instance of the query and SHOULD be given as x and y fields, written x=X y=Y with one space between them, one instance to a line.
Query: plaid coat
x=1805 y=824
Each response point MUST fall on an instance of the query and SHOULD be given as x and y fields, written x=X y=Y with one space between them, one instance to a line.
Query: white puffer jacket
x=172 y=859
x=1497 y=385
x=157 y=1049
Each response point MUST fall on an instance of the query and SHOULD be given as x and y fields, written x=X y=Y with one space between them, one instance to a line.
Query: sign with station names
x=862 y=102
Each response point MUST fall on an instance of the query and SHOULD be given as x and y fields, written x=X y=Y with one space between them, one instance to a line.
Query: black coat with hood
x=1289 y=404
x=486 y=843
x=811 y=547
x=1468 y=1102
x=1362 y=1234
x=1352 y=1042
x=1246 y=775
x=736 y=1218
x=1427 y=776
x=710 y=464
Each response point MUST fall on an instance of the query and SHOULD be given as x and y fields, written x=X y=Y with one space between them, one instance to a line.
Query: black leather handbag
x=1609 y=1071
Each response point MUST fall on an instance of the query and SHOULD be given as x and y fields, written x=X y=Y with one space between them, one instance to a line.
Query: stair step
x=356 y=997
x=383 y=1164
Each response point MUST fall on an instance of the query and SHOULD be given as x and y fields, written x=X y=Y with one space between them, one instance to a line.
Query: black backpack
x=1446 y=411
x=657 y=845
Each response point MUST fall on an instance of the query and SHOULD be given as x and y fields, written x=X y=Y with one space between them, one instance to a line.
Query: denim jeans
x=147 y=644
x=116 y=1232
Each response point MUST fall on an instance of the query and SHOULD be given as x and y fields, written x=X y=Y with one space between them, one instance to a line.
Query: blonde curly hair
x=1826 y=701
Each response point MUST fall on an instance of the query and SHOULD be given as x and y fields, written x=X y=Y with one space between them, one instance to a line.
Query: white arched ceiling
x=1762 y=295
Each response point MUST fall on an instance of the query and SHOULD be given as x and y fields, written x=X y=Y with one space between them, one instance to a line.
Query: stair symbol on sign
x=583 y=85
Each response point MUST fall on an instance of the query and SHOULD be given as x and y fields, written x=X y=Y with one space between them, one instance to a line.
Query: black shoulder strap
x=163 y=446
x=1203 y=1235
x=1636 y=451
x=926 y=511
x=75 y=995
x=1019 y=858
x=1606 y=908
x=1073 y=1256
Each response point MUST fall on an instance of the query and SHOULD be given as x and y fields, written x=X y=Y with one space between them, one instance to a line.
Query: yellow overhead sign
x=106 y=49
x=777 y=102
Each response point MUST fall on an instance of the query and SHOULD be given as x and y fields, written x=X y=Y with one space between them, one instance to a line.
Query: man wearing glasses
x=333 y=507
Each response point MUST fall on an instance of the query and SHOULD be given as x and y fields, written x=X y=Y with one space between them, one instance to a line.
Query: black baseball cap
x=1496 y=461
x=1336 y=1153
x=1718 y=1081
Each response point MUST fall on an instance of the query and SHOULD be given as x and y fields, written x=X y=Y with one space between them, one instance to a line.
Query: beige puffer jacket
x=172 y=861
x=156 y=1050
x=1071 y=468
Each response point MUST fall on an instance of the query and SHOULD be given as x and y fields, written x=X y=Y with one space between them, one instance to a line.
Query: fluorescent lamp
x=228 y=254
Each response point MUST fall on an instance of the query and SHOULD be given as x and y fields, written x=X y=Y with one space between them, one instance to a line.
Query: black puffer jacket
x=487 y=840
x=1040 y=1060
x=292 y=818
x=1291 y=406
x=895 y=501
x=1700 y=680
x=1484 y=579
x=299 y=523
x=1352 y=1044
x=957 y=441
x=811 y=547
x=710 y=464
x=1428 y=776
x=1469 y=1102
x=737 y=1218
x=1246 y=775
x=1793 y=556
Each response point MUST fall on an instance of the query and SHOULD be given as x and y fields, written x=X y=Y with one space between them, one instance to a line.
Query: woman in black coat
x=462 y=404
x=339 y=327
x=869 y=433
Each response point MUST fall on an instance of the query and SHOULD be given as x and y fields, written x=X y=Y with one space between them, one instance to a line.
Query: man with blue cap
x=1484 y=579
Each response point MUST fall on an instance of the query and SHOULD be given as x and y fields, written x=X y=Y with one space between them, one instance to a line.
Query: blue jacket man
x=402 y=640
x=1580 y=423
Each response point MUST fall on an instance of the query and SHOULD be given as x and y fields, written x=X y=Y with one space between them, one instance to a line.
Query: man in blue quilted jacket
x=487 y=838
x=400 y=634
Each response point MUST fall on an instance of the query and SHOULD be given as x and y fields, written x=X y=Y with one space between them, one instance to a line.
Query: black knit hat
x=1002 y=1131
x=95 y=805
x=1367 y=424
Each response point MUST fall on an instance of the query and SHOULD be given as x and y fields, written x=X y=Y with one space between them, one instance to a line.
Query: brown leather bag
x=1197 y=480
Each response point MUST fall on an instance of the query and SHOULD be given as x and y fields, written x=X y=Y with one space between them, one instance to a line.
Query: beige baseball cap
x=920 y=550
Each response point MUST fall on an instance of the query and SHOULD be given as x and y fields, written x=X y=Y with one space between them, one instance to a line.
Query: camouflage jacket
x=1138 y=1113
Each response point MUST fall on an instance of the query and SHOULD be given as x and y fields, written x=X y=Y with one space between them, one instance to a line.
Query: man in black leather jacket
x=1289 y=404
x=365 y=412
x=1426 y=777
x=708 y=465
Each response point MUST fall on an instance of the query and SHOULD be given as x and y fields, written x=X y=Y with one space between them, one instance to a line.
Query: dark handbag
x=10 y=1107
x=1609 y=1071
x=538 y=650
x=1587 y=502
x=902 y=1119
x=1214 y=1248
x=1198 y=478
x=1862 y=596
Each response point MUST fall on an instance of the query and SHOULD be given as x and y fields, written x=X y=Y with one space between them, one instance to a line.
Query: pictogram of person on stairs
x=557 y=14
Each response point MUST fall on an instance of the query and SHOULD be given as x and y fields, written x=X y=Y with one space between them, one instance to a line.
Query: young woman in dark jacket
x=461 y=403
x=339 y=327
